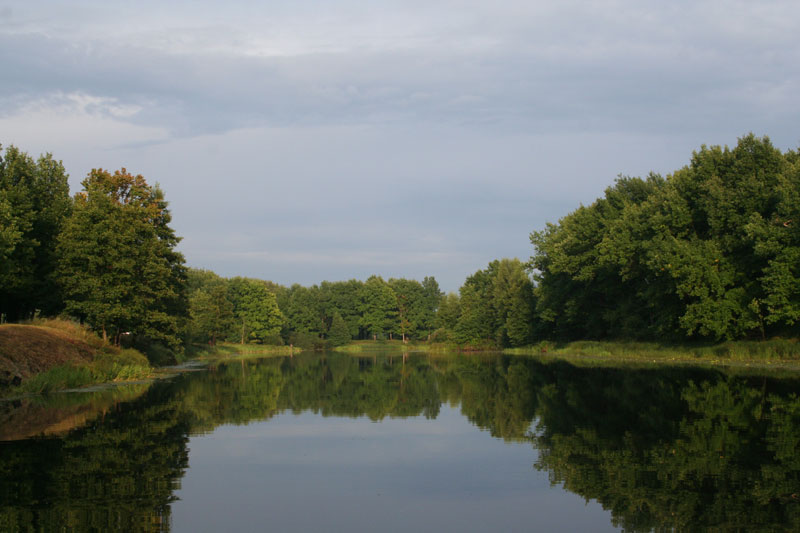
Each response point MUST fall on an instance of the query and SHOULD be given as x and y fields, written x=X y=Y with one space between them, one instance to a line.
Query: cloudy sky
x=303 y=140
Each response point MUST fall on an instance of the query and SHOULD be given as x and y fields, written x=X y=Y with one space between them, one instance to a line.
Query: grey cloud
x=549 y=88
x=316 y=140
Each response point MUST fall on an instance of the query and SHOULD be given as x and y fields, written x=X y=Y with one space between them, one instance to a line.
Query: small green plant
x=59 y=378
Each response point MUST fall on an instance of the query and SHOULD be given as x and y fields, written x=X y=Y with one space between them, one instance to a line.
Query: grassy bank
x=383 y=345
x=231 y=350
x=50 y=355
x=764 y=353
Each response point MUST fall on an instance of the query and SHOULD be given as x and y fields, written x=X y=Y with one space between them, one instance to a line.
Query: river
x=420 y=442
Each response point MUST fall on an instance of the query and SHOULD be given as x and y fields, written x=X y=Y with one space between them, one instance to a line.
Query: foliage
x=211 y=313
x=710 y=252
x=339 y=333
x=255 y=309
x=495 y=307
x=378 y=307
x=117 y=264
x=34 y=201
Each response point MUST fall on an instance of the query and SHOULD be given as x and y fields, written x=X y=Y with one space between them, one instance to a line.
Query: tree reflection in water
x=659 y=447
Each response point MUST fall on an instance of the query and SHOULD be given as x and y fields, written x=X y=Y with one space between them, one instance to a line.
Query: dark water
x=423 y=443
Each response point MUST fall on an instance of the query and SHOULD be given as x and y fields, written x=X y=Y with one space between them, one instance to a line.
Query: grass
x=762 y=353
x=385 y=345
x=231 y=350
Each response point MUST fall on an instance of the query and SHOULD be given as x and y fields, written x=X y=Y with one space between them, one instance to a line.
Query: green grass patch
x=767 y=352
x=384 y=345
x=230 y=350
x=73 y=376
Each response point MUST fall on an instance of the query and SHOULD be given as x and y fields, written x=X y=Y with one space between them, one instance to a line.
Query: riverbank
x=391 y=345
x=50 y=355
x=773 y=352
x=233 y=351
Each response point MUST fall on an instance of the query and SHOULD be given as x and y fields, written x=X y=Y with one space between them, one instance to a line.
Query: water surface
x=428 y=443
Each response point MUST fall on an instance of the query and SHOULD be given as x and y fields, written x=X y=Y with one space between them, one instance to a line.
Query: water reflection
x=658 y=448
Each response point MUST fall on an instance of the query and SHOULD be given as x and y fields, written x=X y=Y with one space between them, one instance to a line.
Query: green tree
x=34 y=202
x=211 y=313
x=118 y=266
x=343 y=297
x=379 y=306
x=512 y=299
x=712 y=251
x=432 y=295
x=448 y=312
x=339 y=333
x=304 y=311
x=411 y=306
x=10 y=234
x=256 y=310
x=477 y=322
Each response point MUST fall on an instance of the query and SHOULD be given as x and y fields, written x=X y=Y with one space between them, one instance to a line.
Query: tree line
x=329 y=314
x=710 y=252
x=494 y=308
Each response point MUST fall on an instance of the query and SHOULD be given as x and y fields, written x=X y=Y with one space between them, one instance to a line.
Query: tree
x=339 y=333
x=432 y=297
x=256 y=310
x=304 y=310
x=512 y=299
x=378 y=305
x=34 y=201
x=411 y=306
x=118 y=267
x=448 y=312
x=211 y=312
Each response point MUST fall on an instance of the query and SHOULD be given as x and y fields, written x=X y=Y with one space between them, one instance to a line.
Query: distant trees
x=709 y=252
x=495 y=307
x=210 y=309
x=371 y=309
x=256 y=311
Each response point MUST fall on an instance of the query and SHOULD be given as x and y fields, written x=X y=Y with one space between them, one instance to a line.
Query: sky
x=301 y=141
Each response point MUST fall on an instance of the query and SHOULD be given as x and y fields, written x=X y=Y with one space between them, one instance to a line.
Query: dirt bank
x=28 y=350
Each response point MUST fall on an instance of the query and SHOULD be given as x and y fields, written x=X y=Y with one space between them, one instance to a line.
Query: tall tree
x=34 y=201
x=118 y=266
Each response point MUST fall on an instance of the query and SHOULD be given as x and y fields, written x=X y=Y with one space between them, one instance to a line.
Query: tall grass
x=373 y=346
x=774 y=350
x=249 y=350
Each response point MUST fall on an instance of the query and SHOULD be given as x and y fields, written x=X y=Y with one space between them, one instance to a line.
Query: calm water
x=443 y=443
